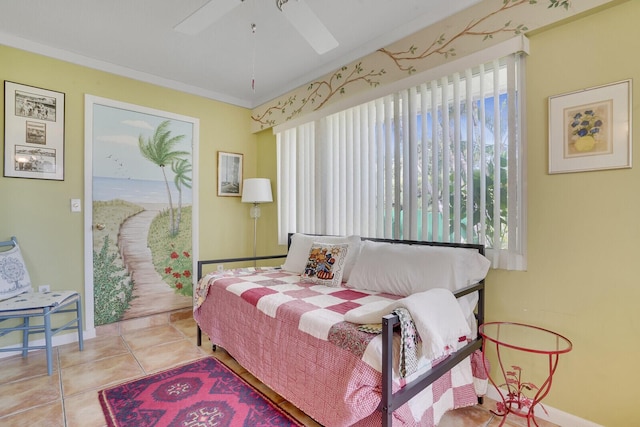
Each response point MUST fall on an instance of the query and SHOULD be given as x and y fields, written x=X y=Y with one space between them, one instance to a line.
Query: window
x=439 y=161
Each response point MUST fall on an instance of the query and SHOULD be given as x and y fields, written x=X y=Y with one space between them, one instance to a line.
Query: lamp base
x=255 y=211
x=255 y=214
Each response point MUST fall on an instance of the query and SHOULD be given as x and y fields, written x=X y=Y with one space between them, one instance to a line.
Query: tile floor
x=132 y=349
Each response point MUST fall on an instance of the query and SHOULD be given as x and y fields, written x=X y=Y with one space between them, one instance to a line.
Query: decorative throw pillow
x=325 y=265
x=14 y=278
x=301 y=243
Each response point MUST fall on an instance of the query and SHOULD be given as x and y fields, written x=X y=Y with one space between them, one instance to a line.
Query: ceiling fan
x=299 y=14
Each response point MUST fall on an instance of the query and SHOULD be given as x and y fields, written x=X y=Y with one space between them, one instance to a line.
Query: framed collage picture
x=33 y=132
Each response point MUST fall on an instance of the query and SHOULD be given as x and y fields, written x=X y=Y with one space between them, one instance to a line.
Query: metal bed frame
x=391 y=401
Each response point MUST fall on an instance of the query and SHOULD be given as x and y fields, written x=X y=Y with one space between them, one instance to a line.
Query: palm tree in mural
x=159 y=150
x=182 y=170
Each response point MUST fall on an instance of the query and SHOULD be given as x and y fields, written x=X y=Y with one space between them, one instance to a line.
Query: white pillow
x=298 y=254
x=325 y=264
x=403 y=270
x=14 y=278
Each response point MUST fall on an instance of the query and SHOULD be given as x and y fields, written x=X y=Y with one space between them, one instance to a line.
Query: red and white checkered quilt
x=293 y=337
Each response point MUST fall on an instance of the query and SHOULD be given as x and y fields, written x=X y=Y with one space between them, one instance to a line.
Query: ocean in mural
x=136 y=190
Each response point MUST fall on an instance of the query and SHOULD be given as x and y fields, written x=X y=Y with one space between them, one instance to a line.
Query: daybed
x=307 y=330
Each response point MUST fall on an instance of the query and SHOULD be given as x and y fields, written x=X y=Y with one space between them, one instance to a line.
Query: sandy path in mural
x=151 y=294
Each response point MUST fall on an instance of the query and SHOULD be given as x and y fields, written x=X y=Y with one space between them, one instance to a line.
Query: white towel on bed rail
x=438 y=317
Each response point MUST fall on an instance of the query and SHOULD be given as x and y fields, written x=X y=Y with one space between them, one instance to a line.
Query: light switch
x=76 y=206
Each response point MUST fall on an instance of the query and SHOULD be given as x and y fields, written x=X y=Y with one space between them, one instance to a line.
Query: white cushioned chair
x=18 y=301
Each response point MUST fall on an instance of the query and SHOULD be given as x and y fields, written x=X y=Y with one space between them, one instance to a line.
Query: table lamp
x=256 y=191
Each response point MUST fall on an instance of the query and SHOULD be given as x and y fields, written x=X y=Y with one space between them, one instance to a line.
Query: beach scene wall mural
x=142 y=190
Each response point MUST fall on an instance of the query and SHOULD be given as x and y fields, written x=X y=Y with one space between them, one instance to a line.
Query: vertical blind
x=440 y=161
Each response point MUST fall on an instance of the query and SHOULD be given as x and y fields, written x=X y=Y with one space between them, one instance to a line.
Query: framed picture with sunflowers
x=590 y=129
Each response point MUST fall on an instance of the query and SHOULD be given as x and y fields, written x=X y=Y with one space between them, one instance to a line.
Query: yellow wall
x=37 y=211
x=582 y=277
x=268 y=224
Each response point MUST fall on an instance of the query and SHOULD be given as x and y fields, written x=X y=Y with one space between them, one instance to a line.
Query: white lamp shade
x=256 y=190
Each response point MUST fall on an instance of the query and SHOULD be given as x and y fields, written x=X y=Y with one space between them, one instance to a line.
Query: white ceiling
x=136 y=38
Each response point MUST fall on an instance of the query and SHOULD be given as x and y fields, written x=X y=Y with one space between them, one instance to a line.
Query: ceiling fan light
x=279 y=4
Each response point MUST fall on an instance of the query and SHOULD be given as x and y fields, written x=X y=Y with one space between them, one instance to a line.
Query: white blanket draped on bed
x=436 y=313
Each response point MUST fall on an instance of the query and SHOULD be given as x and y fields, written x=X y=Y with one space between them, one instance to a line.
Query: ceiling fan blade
x=205 y=16
x=309 y=26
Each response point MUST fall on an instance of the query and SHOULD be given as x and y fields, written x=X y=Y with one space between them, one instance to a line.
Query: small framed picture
x=590 y=129
x=33 y=132
x=229 y=174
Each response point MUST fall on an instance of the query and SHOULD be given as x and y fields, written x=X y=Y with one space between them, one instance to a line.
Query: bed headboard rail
x=479 y=248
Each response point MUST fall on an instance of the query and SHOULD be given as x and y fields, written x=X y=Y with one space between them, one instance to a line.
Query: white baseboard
x=553 y=415
x=57 y=340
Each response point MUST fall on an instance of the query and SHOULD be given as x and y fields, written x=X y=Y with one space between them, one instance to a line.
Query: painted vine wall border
x=478 y=27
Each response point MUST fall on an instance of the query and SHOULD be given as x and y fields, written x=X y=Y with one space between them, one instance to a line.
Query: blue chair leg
x=25 y=336
x=47 y=339
x=80 y=338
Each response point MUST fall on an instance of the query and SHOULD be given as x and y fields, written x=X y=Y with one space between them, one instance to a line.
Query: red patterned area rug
x=201 y=394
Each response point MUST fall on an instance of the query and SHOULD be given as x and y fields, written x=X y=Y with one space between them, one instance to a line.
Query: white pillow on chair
x=14 y=278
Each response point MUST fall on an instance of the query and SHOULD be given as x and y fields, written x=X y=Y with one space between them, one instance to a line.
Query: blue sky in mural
x=115 y=143
x=119 y=170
